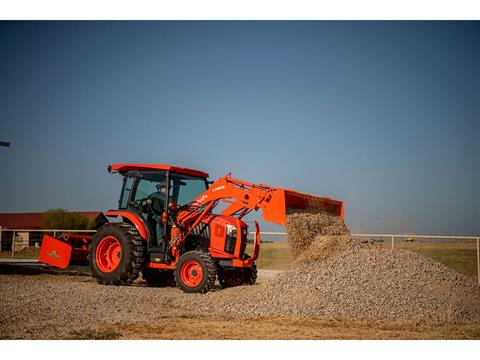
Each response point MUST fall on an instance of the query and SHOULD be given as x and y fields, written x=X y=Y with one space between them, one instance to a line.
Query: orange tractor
x=169 y=233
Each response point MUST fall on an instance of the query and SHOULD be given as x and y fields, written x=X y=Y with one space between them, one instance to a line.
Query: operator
x=158 y=205
x=159 y=197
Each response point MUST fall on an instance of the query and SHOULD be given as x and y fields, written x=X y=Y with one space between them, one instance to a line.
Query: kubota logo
x=54 y=254
x=219 y=188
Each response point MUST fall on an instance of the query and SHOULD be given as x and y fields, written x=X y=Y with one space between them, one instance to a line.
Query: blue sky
x=383 y=115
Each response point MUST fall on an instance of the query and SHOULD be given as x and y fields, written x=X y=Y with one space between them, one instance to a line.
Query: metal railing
x=392 y=237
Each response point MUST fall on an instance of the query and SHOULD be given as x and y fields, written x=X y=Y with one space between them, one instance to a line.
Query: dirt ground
x=49 y=306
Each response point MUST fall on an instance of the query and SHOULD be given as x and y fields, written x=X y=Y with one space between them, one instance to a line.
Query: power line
x=4 y=143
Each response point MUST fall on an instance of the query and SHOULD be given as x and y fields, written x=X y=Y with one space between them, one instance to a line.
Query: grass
x=459 y=256
x=211 y=326
x=275 y=256
x=20 y=254
x=95 y=334
x=475 y=333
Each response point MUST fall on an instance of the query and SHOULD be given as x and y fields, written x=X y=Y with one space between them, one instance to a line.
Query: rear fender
x=133 y=218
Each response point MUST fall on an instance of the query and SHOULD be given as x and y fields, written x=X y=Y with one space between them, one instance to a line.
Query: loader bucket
x=282 y=200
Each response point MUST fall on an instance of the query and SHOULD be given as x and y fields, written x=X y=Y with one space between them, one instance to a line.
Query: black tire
x=237 y=277
x=250 y=275
x=231 y=277
x=133 y=254
x=158 y=277
x=209 y=271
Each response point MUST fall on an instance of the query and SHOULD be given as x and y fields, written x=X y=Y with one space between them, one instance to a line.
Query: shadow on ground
x=39 y=269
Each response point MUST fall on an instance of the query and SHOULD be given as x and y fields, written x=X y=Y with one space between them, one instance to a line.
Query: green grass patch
x=475 y=334
x=20 y=254
x=276 y=256
x=95 y=334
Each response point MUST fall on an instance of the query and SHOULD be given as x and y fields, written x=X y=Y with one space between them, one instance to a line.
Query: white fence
x=392 y=238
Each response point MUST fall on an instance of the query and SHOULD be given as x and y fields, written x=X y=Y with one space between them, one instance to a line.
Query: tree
x=62 y=219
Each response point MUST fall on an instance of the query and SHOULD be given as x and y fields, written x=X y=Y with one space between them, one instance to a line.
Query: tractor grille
x=230 y=242
x=244 y=241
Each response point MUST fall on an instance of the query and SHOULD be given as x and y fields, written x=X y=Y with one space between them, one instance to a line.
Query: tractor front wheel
x=250 y=275
x=231 y=277
x=117 y=254
x=237 y=277
x=195 y=272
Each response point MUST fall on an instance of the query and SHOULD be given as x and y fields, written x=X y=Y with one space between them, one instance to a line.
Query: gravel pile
x=361 y=283
x=336 y=275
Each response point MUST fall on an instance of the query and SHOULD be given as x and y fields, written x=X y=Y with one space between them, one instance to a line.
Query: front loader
x=166 y=229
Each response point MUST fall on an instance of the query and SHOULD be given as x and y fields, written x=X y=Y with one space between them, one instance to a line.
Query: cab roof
x=131 y=167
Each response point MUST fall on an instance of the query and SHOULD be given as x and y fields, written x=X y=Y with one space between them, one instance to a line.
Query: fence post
x=393 y=242
x=0 y=238
x=13 y=244
x=478 y=260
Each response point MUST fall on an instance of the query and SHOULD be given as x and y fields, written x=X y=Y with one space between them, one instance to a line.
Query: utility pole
x=4 y=143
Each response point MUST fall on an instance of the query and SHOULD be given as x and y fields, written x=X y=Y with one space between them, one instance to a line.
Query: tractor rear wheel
x=195 y=272
x=158 y=277
x=117 y=254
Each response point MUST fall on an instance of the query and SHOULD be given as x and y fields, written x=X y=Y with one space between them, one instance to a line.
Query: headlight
x=232 y=231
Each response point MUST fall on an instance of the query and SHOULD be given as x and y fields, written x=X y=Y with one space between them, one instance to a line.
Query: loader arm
x=244 y=197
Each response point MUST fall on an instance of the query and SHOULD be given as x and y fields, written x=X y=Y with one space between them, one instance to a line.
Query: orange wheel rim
x=191 y=273
x=109 y=254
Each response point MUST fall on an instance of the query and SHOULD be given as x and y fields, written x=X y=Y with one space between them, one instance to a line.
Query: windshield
x=184 y=189
x=149 y=184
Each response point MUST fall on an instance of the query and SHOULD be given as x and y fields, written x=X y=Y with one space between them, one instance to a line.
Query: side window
x=145 y=188
x=127 y=187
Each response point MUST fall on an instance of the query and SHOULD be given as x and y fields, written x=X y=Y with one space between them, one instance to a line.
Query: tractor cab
x=154 y=193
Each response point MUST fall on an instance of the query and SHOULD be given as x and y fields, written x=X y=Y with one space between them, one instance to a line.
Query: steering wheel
x=136 y=203
x=143 y=203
